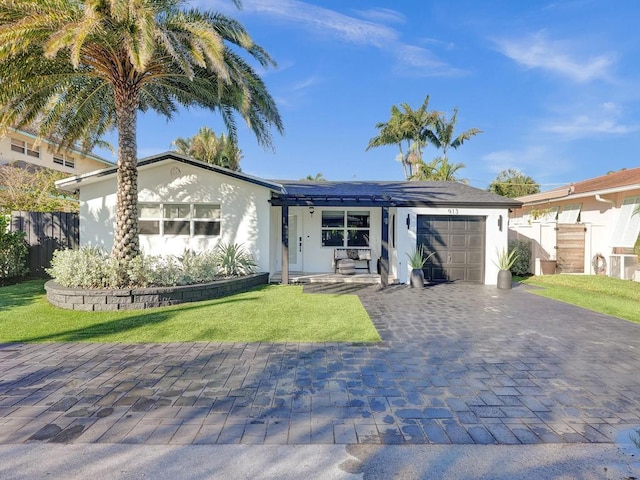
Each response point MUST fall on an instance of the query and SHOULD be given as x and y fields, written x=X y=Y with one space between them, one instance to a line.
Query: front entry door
x=295 y=243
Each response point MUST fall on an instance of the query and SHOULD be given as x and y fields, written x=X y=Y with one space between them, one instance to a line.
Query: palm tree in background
x=406 y=125
x=439 y=169
x=208 y=147
x=441 y=135
x=76 y=69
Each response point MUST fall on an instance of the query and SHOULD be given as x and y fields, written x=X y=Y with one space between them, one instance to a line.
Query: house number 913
x=453 y=211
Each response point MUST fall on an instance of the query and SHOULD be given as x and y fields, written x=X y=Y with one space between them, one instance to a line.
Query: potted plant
x=417 y=259
x=504 y=263
x=548 y=266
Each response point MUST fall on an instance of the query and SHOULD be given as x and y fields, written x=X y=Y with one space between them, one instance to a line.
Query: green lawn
x=271 y=313
x=620 y=298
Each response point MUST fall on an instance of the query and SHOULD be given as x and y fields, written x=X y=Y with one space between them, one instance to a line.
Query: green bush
x=13 y=252
x=522 y=264
x=92 y=267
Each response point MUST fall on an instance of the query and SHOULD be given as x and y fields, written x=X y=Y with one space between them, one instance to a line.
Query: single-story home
x=300 y=226
x=587 y=227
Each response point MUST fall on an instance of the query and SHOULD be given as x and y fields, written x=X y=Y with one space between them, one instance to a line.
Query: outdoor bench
x=356 y=254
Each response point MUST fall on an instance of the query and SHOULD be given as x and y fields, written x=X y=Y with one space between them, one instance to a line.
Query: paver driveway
x=458 y=364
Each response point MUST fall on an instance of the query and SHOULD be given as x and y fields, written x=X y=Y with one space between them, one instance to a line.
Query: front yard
x=611 y=296
x=269 y=314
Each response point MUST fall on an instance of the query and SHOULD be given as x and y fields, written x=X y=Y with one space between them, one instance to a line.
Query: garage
x=458 y=244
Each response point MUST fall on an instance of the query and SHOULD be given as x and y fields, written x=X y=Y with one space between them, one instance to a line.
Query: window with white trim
x=570 y=213
x=64 y=160
x=346 y=228
x=171 y=219
x=33 y=151
x=627 y=227
x=18 y=146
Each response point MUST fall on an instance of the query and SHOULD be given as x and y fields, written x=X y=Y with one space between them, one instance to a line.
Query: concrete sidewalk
x=311 y=462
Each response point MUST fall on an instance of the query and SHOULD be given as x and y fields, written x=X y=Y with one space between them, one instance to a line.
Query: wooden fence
x=45 y=233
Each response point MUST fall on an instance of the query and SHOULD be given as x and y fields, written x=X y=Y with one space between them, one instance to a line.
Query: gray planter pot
x=416 y=279
x=504 y=279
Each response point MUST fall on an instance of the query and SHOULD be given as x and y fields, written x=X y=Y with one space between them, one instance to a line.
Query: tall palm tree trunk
x=126 y=243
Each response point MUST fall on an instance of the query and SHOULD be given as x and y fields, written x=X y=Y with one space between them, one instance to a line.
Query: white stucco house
x=297 y=226
x=584 y=225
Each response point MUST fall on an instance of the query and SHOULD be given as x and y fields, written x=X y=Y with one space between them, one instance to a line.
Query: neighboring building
x=23 y=147
x=585 y=225
x=184 y=203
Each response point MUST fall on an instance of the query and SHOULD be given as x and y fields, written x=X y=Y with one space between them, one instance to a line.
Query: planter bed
x=141 y=298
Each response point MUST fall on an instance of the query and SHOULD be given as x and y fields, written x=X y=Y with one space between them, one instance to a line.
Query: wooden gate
x=44 y=233
x=570 y=248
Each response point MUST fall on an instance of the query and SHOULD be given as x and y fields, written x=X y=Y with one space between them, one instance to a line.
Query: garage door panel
x=458 y=243
x=475 y=241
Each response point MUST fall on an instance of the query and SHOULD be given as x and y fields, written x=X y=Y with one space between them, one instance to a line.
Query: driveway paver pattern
x=458 y=364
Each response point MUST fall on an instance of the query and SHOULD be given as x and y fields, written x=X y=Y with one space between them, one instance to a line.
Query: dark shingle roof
x=395 y=193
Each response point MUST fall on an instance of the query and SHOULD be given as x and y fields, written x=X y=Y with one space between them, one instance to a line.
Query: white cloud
x=532 y=160
x=307 y=83
x=382 y=15
x=560 y=57
x=368 y=32
x=599 y=120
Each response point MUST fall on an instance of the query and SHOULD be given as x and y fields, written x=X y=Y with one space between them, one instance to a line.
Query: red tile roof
x=621 y=178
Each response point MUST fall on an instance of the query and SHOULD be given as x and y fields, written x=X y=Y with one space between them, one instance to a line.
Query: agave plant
x=233 y=260
x=418 y=257
x=505 y=259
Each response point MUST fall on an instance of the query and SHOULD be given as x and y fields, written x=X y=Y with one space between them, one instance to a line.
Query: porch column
x=285 y=245
x=384 y=251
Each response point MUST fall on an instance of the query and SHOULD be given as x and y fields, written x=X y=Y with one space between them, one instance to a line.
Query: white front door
x=295 y=243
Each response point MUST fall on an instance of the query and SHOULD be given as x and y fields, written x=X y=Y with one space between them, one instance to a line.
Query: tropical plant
x=75 y=69
x=513 y=183
x=32 y=190
x=418 y=257
x=92 y=267
x=318 y=177
x=233 y=260
x=13 y=252
x=439 y=169
x=406 y=126
x=208 y=147
x=442 y=136
x=505 y=259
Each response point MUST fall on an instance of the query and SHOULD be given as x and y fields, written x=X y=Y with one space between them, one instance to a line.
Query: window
x=627 y=227
x=179 y=219
x=33 y=151
x=59 y=159
x=345 y=228
x=570 y=213
x=18 y=145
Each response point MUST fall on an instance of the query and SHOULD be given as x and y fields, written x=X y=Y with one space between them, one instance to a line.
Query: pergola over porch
x=384 y=202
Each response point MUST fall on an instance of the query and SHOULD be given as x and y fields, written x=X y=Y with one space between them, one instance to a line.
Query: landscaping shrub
x=13 y=253
x=92 y=267
x=522 y=264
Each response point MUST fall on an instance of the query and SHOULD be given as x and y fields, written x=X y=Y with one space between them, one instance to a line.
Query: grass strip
x=272 y=313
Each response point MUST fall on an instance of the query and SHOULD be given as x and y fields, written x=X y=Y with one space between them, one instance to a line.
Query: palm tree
x=75 y=69
x=318 y=177
x=439 y=169
x=208 y=147
x=406 y=125
x=442 y=134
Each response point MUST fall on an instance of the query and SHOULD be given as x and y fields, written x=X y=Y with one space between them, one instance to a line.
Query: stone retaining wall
x=140 y=298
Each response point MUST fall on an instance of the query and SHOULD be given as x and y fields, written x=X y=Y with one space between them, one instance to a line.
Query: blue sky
x=553 y=86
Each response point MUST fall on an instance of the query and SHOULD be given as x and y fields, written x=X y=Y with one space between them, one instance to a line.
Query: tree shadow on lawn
x=20 y=294
x=137 y=319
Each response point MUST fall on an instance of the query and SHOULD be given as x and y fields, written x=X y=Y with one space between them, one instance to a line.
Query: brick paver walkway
x=458 y=364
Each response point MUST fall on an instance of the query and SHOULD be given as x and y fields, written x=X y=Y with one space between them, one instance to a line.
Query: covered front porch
x=313 y=233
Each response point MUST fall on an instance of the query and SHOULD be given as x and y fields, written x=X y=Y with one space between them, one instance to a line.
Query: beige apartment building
x=22 y=146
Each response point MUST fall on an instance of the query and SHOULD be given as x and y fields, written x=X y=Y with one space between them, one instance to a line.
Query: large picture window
x=170 y=219
x=342 y=228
